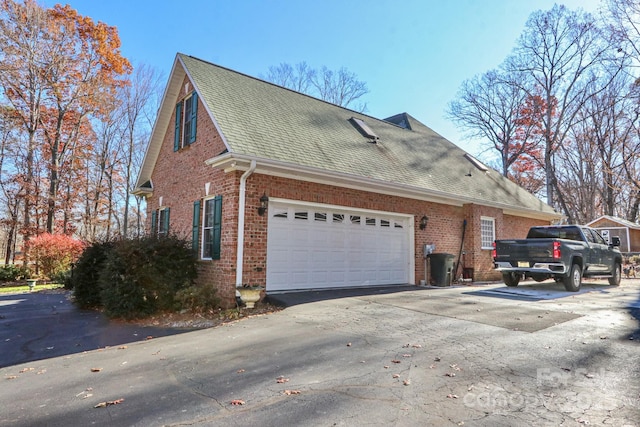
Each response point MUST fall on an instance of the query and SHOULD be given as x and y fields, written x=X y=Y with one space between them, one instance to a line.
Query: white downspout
x=241 y=204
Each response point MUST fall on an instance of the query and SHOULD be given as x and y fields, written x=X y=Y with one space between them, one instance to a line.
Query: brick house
x=280 y=189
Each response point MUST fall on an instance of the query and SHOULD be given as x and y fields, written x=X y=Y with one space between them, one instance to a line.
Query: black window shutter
x=195 y=233
x=217 y=227
x=154 y=219
x=194 y=117
x=178 y=127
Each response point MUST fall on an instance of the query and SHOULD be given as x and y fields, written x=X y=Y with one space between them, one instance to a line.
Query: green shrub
x=86 y=272
x=12 y=272
x=142 y=277
x=635 y=259
x=198 y=299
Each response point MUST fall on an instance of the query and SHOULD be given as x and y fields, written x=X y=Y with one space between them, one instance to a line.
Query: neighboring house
x=280 y=189
x=627 y=231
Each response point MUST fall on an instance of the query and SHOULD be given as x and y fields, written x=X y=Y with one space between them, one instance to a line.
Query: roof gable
x=615 y=220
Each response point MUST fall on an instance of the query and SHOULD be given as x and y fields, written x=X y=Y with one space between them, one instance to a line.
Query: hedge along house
x=280 y=189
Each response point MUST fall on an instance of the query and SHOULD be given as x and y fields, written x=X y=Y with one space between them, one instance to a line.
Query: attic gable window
x=364 y=129
x=186 y=119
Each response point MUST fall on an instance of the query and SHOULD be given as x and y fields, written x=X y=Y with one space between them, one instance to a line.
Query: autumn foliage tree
x=54 y=253
x=59 y=72
x=83 y=76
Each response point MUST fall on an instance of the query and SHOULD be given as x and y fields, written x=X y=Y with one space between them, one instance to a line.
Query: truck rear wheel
x=614 y=280
x=511 y=279
x=573 y=281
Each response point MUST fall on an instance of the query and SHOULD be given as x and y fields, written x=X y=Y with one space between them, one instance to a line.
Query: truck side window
x=588 y=235
x=599 y=239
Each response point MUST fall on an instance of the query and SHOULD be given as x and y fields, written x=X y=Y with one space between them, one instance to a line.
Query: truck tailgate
x=537 y=250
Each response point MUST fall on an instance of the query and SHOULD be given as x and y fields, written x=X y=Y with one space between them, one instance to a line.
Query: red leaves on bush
x=55 y=252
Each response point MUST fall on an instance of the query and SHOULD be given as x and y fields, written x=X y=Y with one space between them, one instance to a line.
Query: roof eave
x=229 y=162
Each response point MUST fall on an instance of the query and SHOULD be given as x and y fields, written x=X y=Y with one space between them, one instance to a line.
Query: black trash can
x=441 y=265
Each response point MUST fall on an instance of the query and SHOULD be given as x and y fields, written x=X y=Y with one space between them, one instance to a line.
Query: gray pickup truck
x=565 y=253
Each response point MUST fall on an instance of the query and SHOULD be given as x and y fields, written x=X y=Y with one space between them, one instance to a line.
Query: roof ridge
x=279 y=86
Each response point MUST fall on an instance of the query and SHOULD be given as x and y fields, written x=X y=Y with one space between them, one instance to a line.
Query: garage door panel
x=314 y=247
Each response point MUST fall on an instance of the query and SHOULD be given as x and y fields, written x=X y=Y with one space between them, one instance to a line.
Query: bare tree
x=296 y=77
x=340 y=87
x=561 y=52
x=624 y=19
x=136 y=98
x=491 y=106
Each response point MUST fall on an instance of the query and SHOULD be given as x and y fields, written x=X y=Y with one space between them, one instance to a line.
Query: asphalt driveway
x=42 y=325
x=473 y=356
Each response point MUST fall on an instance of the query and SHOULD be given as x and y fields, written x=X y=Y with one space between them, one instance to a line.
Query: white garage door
x=322 y=246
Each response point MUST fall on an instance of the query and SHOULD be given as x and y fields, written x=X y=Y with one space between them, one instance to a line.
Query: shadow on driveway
x=40 y=325
x=289 y=299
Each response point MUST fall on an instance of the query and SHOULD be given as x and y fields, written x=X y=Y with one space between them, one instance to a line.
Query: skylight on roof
x=364 y=129
x=476 y=162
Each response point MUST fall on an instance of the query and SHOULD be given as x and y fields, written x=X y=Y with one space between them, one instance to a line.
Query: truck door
x=607 y=255
x=596 y=251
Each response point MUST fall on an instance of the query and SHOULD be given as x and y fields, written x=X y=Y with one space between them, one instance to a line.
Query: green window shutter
x=217 y=227
x=195 y=233
x=154 y=219
x=166 y=221
x=194 y=117
x=178 y=127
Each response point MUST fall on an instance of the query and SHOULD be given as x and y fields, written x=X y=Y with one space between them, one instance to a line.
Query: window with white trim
x=487 y=232
x=212 y=228
x=160 y=222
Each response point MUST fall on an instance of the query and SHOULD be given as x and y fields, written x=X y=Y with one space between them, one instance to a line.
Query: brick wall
x=180 y=178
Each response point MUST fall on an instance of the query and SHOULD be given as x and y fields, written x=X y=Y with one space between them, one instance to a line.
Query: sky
x=412 y=54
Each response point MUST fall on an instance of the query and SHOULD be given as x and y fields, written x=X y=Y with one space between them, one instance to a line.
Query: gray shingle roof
x=265 y=121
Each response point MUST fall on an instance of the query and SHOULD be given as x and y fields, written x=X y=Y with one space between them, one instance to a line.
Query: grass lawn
x=13 y=288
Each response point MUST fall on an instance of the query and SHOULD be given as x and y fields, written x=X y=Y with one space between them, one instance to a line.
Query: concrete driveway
x=473 y=356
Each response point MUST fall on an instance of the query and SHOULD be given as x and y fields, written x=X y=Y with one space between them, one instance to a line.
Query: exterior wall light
x=263 y=204
x=423 y=222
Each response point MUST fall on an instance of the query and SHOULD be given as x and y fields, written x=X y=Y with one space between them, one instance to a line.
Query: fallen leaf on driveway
x=406 y=382
x=281 y=380
x=348 y=344
x=396 y=375
x=109 y=403
x=237 y=402
x=40 y=372
x=22 y=371
x=416 y=346
x=395 y=361
x=452 y=396
x=437 y=359
x=604 y=337
x=290 y=392
x=122 y=347
x=406 y=355
x=450 y=374
x=386 y=366
x=12 y=377
x=239 y=371
x=96 y=369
